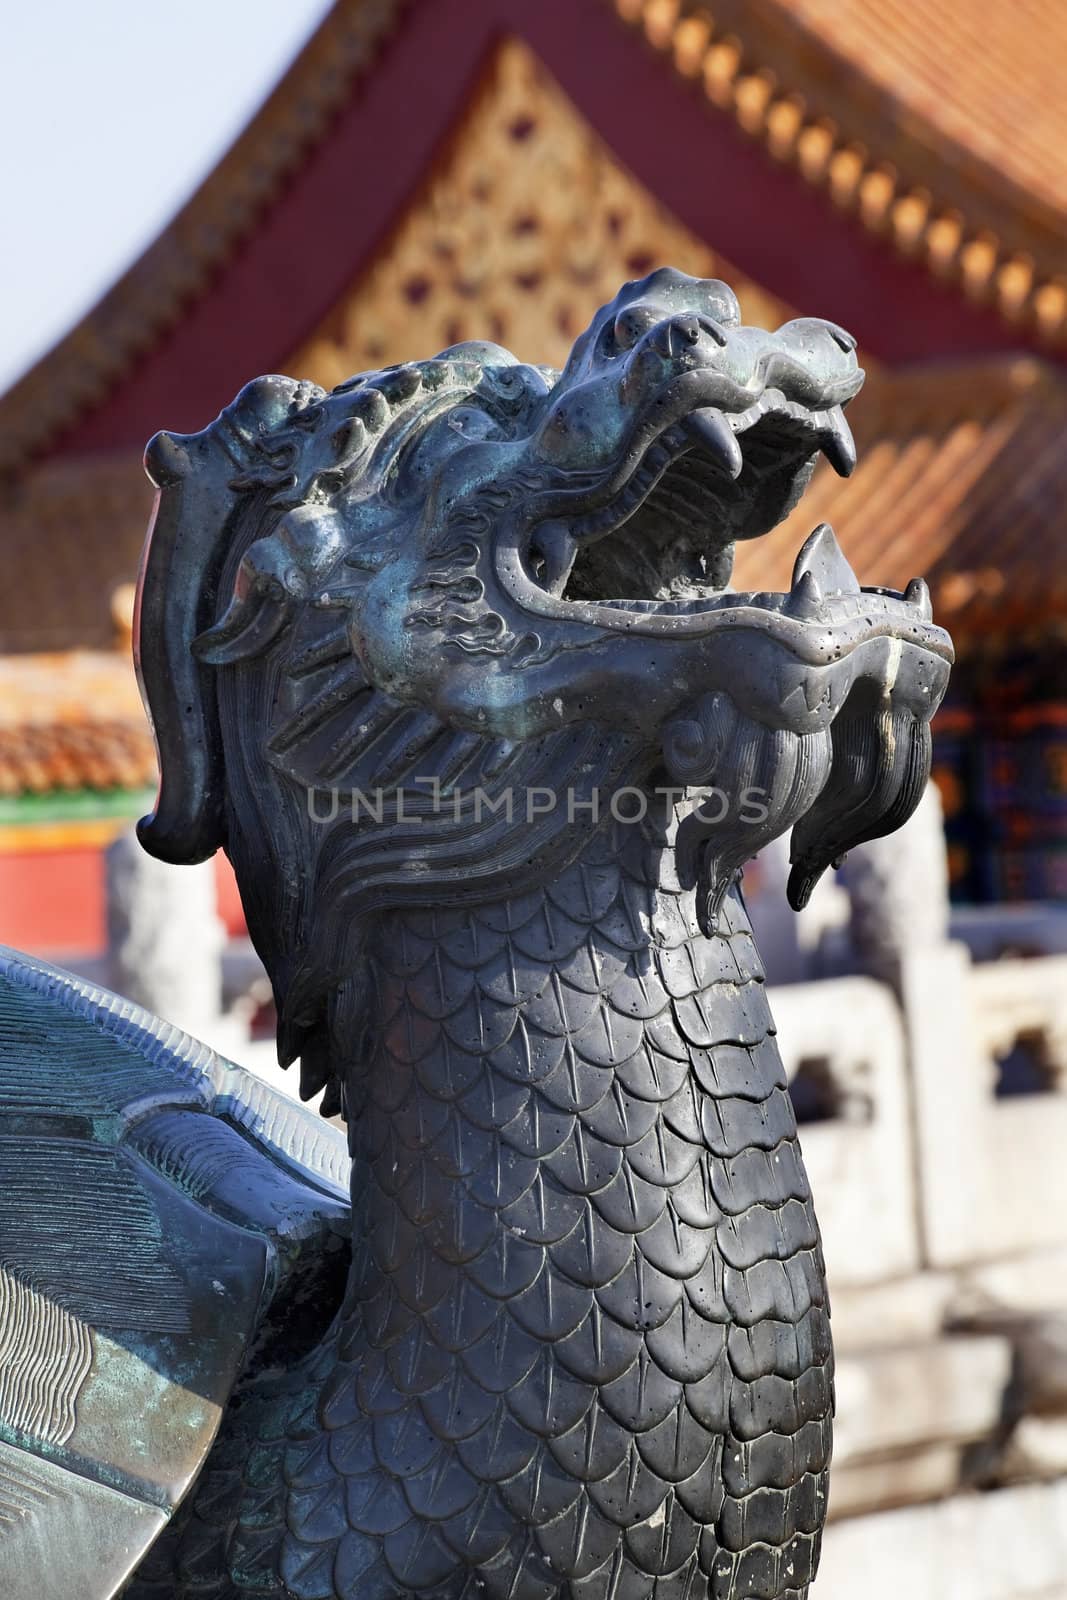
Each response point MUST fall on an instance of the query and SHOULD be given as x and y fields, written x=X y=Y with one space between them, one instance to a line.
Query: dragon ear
x=200 y=478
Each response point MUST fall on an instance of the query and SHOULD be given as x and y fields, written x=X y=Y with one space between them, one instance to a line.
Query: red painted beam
x=339 y=208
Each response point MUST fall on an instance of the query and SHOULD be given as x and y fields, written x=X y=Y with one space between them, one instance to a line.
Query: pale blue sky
x=111 y=111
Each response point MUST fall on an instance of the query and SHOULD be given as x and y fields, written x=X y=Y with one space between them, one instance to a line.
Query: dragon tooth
x=556 y=547
x=710 y=429
x=805 y=597
x=838 y=445
x=822 y=557
x=917 y=594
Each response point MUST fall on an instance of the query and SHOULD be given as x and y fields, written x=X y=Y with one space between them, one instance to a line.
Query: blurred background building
x=435 y=170
x=426 y=173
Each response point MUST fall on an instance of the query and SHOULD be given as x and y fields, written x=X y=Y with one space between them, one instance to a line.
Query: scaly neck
x=501 y=1034
x=575 y=1171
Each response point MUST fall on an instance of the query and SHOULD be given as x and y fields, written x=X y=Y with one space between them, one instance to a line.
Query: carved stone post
x=165 y=937
x=898 y=892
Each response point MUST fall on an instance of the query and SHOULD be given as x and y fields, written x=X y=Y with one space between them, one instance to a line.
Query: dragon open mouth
x=666 y=540
x=655 y=553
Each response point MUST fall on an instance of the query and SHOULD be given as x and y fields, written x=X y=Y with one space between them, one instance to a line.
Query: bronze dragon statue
x=448 y=663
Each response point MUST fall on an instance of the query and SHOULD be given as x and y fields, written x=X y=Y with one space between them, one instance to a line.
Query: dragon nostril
x=662 y=339
x=713 y=329
x=674 y=334
x=841 y=337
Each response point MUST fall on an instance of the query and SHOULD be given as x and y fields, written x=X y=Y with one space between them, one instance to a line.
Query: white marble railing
x=1015 y=1000
x=920 y=1161
x=992 y=1172
x=848 y=1034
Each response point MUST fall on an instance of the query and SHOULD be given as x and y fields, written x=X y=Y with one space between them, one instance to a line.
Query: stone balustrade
x=934 y=1123
x=842 y=1041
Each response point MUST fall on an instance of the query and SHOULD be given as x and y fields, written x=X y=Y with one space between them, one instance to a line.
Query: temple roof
x=524 y=224
x=71 y=721
x=902 y=174
x=938 y=124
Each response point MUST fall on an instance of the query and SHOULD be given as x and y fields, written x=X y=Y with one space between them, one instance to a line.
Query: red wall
x=52 y=901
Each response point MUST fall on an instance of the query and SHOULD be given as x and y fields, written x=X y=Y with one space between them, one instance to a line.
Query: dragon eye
x=632 y=323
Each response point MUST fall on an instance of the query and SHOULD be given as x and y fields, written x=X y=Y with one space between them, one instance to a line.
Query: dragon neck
x=574 y=1171
x=504 y=1047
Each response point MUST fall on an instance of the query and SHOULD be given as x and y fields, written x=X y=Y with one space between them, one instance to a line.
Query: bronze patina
x=447 y=662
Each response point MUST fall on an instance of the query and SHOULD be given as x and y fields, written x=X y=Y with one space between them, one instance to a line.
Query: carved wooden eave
x=524 y=225
x=816 y=208
x=938 y=126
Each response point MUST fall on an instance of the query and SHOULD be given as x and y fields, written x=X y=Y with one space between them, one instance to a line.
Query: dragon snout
x=817 y=355
x=806 y=361
x=657 y=347
x=668 y=336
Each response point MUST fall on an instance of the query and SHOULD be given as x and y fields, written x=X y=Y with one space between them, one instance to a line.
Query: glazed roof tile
x=939 y=124
x=72 y=720
x=984 y=82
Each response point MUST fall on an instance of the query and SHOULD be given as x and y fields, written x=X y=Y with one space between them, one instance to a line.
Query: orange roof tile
x=962 y=479
x=72 y=720
x=986 y=81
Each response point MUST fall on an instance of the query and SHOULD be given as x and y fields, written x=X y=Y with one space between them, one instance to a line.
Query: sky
x=111 y=112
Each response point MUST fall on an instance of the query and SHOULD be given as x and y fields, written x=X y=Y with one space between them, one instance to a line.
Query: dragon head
x=465 y=576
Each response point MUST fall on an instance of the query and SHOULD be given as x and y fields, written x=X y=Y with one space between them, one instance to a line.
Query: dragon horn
x=198 y=479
